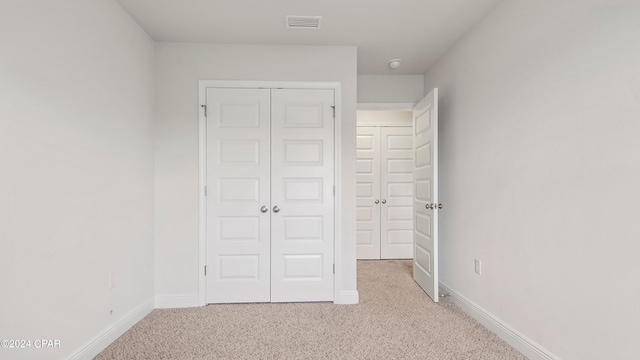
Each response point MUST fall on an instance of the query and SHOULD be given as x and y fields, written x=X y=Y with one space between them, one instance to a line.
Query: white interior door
x=368 y=192
x=396 y=192
x=238 y=186
x=425 y=204
x=302 y=195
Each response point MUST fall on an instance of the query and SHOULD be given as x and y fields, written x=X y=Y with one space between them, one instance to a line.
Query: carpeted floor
x=394 y=320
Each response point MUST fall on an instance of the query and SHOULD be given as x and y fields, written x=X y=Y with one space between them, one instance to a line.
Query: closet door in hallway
x=384 y=192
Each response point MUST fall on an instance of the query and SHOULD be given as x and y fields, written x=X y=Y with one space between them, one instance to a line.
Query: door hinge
x=334 y=268
x=205 y=190
x=205 y=270
x=334 y=111
x=205 y=110
x=334 y=190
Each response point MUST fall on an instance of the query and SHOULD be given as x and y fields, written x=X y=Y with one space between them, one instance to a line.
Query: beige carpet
x=394 y=320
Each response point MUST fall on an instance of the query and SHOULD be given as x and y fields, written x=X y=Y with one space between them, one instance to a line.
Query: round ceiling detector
x=395 y=63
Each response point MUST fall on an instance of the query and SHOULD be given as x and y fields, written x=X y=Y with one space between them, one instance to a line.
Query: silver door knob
x=384 y=201
x=429 y=206
x=439 y=206
x=264 y=209
x=377 y=201
x=276 y=209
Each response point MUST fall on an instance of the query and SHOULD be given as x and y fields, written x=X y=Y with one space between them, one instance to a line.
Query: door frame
x=202 y=169
x=382 y=107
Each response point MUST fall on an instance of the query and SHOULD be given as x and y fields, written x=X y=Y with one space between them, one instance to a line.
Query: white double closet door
x=384 y=192
x=270 y=195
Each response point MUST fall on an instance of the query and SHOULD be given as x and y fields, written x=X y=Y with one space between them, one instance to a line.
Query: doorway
x=384 y=185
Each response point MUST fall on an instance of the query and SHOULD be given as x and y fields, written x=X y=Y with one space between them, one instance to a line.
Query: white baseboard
x=100 y=342
x=347 y=297
x=177 y=301
x=520 y=342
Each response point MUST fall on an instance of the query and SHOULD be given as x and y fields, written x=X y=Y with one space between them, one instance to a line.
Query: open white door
x=425 y=198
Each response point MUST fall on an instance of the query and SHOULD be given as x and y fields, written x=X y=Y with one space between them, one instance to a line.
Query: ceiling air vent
x=302 y=22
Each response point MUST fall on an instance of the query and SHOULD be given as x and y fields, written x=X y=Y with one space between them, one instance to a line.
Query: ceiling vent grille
x=303 y=22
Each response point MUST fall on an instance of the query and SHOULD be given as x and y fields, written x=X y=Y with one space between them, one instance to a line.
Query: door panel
x=368 y=192
x=396 y=190
x=302 y=133
x=238 y=185
x=425 y=234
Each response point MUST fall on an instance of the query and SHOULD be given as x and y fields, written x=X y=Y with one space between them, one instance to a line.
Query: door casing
x=202 y=201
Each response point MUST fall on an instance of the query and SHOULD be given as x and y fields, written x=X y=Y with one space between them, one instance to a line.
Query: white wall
x=76 y=165
x=384 y=118
x=540 y=172
x=179 y=66
x=390 y=88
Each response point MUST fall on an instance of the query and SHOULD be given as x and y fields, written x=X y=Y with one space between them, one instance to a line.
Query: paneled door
x=384 y=176
x=302 y=194
x=270 y=195
x=425 y=203
x=238 y=196
x=368 y=192
x=396 y=192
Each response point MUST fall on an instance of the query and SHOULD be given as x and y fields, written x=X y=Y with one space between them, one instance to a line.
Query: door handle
x=439 y=206
x=384 y=201
x=377 y=201
x=264 y=209
x=276 y=209
x=429 y=206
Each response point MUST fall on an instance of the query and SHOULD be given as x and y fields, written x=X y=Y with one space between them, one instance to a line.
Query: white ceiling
x=416 y=31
